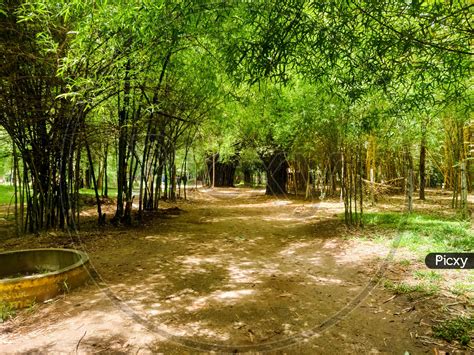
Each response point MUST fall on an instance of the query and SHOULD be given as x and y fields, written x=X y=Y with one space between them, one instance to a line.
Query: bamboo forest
x=236 y=176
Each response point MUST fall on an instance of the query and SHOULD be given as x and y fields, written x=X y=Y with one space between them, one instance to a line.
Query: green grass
x=6 y=194
x=428 y=275
x=460 y=329
x=112 y=192
x=405 y=262
x=33 y=307
x=424 y=233
x=462 y=288
x=401 y=288
x=6 y=311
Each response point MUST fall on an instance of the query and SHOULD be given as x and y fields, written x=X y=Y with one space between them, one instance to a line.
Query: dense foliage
x=305 y=95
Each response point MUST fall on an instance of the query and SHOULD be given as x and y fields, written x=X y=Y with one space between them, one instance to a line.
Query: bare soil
x=231 y=270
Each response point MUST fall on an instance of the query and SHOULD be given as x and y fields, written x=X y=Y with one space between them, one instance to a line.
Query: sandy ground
x=231 y=271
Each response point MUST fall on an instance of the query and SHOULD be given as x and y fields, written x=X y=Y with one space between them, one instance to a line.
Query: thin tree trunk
x=16 y=179
x=422 y=162
x=77 y=187
x=361 y=190
x=464 y=209
x=308 y=183
x=122 y=145
x=372 y=187
x=105 y=192
x=96 y=190
x=213 y=170
x=410 y=190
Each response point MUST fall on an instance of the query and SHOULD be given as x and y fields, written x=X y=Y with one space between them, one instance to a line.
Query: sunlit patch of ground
x=238 y=269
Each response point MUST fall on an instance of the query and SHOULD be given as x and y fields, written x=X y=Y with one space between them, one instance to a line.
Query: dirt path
x=235 y=269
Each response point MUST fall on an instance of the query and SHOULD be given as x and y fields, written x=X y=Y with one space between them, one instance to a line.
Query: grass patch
x=401 y=288
x=6 y=194
x=32 y=307
x=423 y=233
x=405 y=262
x=428 y=275
x=112 y=192
x=6 y=311
x=459 y=329
x=462 y=288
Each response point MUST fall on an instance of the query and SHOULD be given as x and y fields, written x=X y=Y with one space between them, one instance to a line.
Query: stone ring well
x=36 y=275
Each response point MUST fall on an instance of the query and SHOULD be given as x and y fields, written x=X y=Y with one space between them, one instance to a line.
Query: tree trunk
x=105 y=192
x=276 y=167
x=409 y=188
x=423 y=162
x=247 y=177
x=464 y=209
x=101 y=218
x=213 y=170
x=122 y=145
x=308 y=183
x=222 y=172
x=372 y=186
x=16 y=182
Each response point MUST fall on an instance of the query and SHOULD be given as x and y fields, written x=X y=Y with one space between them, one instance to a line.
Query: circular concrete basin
x=36 y=275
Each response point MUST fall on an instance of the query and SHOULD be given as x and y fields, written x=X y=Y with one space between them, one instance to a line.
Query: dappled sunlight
x=202 y=329
x=241 y=274
x=219 y=191
x=313 y=260
x=294 y=247
x=282 y=203
x=60 y=326
x=168 y=238
x=247 y=276
x=325 y=280
x=289 y=218
x=194 y=264
x=221 y=297
x=156 y=312
x=359 y=252
x=330 y=206
x=198 y=260
x=270 y=203
x=180 y=295
x=223 y=219
x=331 y=244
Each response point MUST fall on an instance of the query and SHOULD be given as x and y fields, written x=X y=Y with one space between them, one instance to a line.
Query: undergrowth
x=423 y=288
x=6 y=311
x=459 y=329
x=423 y=233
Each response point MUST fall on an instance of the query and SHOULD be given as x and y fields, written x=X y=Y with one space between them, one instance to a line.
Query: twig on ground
x=428 y=340
x=79 y=342
x=388 y=300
